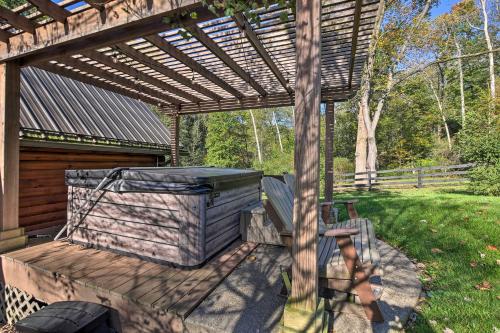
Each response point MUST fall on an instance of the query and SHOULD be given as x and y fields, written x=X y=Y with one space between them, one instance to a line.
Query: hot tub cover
x=190 y=180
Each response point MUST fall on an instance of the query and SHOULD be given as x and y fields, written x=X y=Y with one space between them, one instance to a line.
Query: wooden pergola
x=139 y=49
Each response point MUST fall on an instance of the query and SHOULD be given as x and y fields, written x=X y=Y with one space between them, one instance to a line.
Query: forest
x=428 y=97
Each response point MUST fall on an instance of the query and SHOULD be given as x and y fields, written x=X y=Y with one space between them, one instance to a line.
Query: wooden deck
x=147 y=297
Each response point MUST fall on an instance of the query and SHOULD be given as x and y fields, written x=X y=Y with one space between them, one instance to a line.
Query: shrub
x=485 y=179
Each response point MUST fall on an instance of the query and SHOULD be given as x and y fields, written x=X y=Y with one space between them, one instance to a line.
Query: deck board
x=61 y=271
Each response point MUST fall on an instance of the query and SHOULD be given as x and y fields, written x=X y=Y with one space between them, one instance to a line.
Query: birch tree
x=439 y=95
x=257 y=141
x=489 y=45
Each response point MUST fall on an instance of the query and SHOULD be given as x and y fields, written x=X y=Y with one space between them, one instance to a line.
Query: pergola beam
x=211 y=45
x=354 y=41
x=191 y=63
x=252 y=37
x=4 y=36
x=138 y=56
x=256 y=102
x=71 y=74
x=51 y=9
x=96 y=71
x=129 y=70
x=17 y=21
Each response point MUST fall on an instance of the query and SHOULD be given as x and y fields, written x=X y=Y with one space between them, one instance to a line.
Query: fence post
x=369 y=180
x=420 y=182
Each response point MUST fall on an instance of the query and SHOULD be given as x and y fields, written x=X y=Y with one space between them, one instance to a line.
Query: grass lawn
x=456 y=236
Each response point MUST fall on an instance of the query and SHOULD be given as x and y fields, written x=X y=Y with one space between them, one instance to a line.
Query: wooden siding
x=43 y=193
x=182 y=229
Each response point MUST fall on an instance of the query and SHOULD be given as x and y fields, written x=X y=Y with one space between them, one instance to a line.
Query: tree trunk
x=371 y=159
x=441 y=111
x=361 y=147
x=461 y=82
x=259 y=154
x=364 y=107
x=490 y=49
x=278 y=131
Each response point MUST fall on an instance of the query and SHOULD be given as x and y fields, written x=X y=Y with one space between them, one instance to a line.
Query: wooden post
x=420 y=182
x=369 y=173
x=11 y=236
x=174 y=144
x=329 y=149
x=304 y=294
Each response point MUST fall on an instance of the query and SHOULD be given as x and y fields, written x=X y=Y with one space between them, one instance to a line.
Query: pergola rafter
x=189 y=62
x=155 y=65
x=79 y=76
x=51 y=9
x=246 y=27
x=17 y=21
x=213 y=47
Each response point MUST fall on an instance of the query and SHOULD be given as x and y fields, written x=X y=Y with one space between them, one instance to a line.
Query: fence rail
x=416 y=177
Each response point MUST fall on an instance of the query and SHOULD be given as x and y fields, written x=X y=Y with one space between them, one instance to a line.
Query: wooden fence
x=415 y=177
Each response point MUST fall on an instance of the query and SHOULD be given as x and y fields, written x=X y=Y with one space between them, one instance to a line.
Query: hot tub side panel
x=223 y=214
x=163 y=227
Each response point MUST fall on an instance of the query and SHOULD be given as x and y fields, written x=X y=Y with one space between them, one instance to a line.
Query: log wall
x=43 y=197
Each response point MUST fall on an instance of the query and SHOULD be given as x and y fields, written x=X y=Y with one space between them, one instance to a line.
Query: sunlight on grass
x=462 y=281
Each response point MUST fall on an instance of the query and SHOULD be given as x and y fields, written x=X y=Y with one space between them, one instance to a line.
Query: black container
x=67 y=317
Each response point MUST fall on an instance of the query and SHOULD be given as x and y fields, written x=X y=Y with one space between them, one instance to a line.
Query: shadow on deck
x=146 y=297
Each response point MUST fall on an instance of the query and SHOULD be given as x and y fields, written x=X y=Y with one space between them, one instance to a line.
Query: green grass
x=462 y=226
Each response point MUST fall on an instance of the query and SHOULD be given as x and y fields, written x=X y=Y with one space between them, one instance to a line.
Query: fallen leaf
x=448 y=330
x=485 y=285
x=433 y=322
x=467 y=299
x=421 y=265
x=423 y=221
x=473 y=264
x=498 y=297
x=251 y=258
x=436 y=250
x=492 y=247
x=462 y=242
x=482 y=255
x=498 y=262
x=434 y=230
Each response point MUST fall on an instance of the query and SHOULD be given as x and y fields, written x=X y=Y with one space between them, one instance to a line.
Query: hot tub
x=178 y=215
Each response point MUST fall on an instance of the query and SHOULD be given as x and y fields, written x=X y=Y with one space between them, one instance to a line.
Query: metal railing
x=414 y=177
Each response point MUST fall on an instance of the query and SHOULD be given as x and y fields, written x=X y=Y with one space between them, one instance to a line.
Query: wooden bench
x=345 y=262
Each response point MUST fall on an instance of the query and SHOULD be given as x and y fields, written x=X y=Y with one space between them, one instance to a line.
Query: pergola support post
x=304 y=311
x=329 y=149
x=11 y=236
x=174 y=143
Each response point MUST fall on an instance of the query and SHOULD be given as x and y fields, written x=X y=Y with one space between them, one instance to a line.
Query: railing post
x=420 y=182
x=369 y=180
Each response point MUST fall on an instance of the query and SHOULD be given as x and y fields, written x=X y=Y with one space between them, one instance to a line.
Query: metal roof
x=54 y=104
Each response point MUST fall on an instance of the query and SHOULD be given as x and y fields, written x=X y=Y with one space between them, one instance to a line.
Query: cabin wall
x=43 y=195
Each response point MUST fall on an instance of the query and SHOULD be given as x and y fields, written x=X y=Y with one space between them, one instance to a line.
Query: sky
x=444 y=6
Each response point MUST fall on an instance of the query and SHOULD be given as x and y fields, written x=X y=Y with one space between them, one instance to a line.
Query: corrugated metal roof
x=50 y=102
